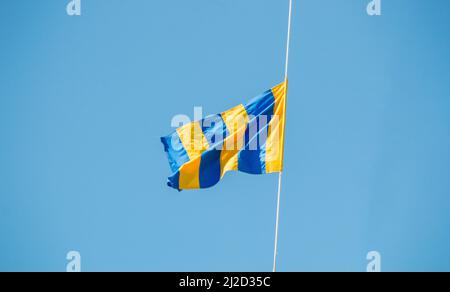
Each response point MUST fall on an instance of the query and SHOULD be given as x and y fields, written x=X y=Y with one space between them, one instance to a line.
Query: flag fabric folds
x=247 y=138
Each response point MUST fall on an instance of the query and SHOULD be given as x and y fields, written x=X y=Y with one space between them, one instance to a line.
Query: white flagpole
x=275 y=252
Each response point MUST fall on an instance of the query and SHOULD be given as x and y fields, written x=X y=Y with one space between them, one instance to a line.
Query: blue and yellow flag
x=247 y=138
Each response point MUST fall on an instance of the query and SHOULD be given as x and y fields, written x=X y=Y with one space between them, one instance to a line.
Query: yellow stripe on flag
x=189 y=175
x=193 y=139
x=236 y=120
x=275 y=137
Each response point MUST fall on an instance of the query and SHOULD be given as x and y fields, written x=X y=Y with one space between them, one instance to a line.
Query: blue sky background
x=84 y=100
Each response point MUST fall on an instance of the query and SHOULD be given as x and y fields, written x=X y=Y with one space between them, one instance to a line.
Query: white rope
x=275 y=252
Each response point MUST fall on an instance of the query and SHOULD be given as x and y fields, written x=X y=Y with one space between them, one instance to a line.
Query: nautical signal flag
x=247 y=138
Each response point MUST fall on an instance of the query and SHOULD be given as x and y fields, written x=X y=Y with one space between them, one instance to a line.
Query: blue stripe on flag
x=176 y=153
x=214 y=129
x=209 y=173
x=252 y=157
x=174 y=181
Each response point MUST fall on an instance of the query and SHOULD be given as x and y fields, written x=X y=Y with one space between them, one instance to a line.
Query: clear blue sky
x=84 y=100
